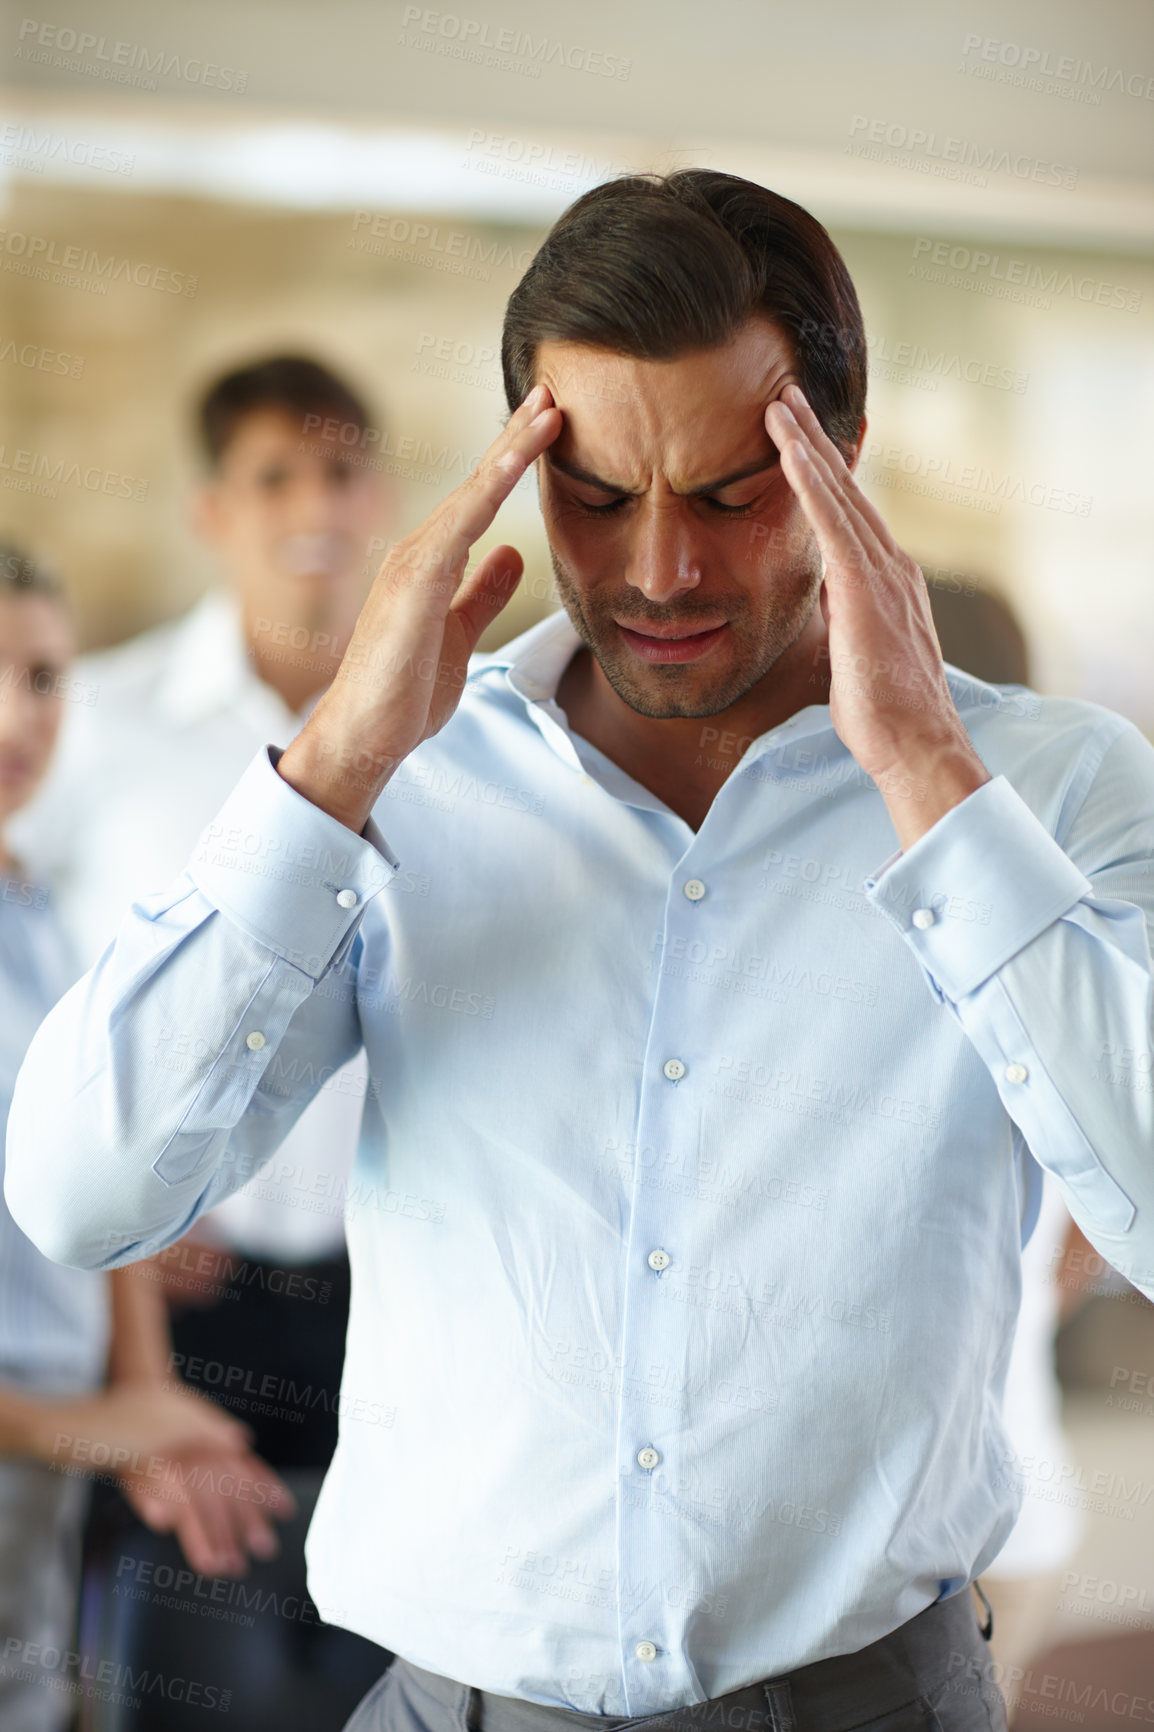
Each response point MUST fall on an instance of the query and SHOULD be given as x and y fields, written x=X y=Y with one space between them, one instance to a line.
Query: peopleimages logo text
x=1031 y=62
x=123 y=62
x=971 y=266
x=899 y=141
x=525 y=52
x=40 y=255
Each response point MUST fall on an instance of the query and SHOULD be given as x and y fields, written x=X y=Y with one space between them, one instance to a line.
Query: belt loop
x=471 y=1715
x=987 y=1629
x=779 y=1700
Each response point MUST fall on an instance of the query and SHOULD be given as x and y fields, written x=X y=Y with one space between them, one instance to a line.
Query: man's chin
x=675 y=691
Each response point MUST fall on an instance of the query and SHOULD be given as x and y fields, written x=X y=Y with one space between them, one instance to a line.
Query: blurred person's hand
x=220 y=1507
x=183 y=1464
x=405 y=668
x=129 y=1422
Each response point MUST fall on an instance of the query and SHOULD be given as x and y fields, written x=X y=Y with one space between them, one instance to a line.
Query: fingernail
x=535 y=398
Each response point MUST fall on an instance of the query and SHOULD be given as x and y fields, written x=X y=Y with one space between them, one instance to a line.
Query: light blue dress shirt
x=686 y=1221
x=54 y=1322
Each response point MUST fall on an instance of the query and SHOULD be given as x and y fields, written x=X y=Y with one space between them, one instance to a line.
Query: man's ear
x=861 y=433
x=205 y=510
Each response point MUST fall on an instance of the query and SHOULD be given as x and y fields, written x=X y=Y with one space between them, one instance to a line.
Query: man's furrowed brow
x=757 y=467
x=576 y=472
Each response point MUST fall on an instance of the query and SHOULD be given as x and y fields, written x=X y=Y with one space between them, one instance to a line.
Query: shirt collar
x=533 y=662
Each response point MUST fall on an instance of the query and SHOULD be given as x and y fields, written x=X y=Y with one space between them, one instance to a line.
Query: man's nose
x=663 y=555
x=319 y=501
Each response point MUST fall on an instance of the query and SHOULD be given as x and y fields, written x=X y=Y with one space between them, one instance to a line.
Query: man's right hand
x=405 y=667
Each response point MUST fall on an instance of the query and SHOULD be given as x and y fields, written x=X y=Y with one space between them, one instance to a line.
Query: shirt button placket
x=655 y=1331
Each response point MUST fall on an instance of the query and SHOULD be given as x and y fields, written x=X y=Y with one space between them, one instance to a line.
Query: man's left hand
x=889 y=700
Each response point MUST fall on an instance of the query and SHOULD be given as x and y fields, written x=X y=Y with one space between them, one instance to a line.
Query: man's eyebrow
x=575 y=472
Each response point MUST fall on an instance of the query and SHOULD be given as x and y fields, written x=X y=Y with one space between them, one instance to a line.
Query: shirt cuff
x=291 y=876
x=977 y=887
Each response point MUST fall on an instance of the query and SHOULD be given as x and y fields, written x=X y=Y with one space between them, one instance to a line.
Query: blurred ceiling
x=1014 y=120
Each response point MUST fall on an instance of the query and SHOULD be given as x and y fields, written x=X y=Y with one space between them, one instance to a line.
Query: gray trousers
x=41 y=1518
x=932 y=1675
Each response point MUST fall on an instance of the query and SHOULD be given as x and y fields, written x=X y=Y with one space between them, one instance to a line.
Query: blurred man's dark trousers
x=932 y=1675
x=270 y=1350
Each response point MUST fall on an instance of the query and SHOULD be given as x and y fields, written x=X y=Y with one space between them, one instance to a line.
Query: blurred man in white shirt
x=290 y=500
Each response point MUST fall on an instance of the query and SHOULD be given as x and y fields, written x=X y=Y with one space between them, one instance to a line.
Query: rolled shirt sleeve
x=1042 y=951
x=165 y=1078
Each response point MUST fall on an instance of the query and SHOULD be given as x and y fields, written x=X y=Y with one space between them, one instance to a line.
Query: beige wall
x=1040 y=490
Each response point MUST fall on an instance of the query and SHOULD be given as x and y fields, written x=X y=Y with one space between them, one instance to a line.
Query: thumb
x=486 y=590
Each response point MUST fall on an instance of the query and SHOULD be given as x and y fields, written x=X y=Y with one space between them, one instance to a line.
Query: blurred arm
x=140 y=1349
x=164 y=1079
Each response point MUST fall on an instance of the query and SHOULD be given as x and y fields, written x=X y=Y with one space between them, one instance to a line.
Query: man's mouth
x=321 y=555
x=671 y=643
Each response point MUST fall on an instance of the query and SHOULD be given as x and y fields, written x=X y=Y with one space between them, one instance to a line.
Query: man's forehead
x=276 y=432
x=753 y=356
x=698 y=415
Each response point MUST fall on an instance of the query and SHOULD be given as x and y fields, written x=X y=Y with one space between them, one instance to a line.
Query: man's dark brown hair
x=657 y=266
x=292 y=384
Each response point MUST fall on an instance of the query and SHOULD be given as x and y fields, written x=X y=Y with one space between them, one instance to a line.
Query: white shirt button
x=923 y=918
x=695 y=889
x=646 y=1651
x=658 y=1259
x=674 y=1069
x=347 y=898
x=648 y=1458
x=1016 y=1073
x=254 y=1041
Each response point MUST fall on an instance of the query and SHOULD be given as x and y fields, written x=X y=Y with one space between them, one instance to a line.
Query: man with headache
x=728 y=969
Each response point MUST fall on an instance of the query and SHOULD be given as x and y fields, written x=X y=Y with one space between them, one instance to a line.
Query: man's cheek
x=585 y=544
x=778 y=541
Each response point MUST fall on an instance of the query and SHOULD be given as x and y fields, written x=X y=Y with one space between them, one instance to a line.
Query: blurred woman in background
x=85 y=1380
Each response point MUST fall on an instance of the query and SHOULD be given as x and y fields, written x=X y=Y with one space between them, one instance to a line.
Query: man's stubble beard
x=761 y=643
